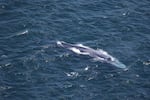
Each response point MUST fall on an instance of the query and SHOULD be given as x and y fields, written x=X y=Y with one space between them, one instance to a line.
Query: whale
x=97 y=55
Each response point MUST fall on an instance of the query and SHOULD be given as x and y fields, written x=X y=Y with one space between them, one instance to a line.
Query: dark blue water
x=33 y=67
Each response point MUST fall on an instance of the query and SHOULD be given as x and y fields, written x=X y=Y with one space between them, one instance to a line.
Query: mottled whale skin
x=98 y=55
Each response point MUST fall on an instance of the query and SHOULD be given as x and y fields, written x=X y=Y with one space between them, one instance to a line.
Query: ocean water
x=33 y=67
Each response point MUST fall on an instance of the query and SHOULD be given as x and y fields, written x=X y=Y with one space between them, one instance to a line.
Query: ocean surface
x=33 y=67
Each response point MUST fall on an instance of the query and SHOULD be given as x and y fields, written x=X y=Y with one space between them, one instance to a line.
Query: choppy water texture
x=32 y=67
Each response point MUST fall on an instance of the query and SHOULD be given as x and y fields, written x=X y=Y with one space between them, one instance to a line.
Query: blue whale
x=97 y=55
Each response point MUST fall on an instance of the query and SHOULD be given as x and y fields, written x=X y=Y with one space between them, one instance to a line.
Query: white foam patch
x=86 y=68
x=146 y=63
x=85 y=53
x=81 y=45
x=23 y=32
x=78 y=51
x=72 y=74
x=75 y=50
x=59 y=43
x=8 y=64
x=17 y=34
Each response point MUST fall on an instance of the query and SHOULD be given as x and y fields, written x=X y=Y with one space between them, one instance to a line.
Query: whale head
x=118 y=64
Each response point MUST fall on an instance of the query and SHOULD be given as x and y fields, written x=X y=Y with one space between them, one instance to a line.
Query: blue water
x=33 y=67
